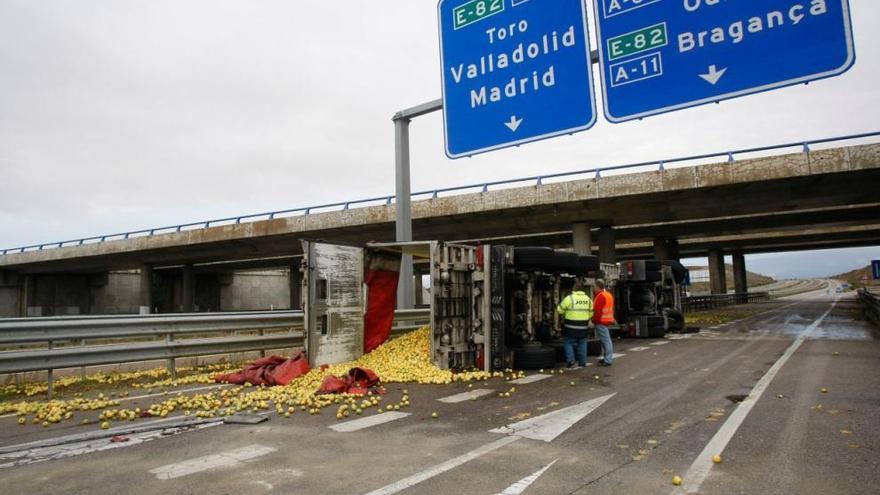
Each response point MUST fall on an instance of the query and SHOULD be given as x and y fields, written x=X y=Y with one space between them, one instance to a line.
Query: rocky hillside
x=856 y=277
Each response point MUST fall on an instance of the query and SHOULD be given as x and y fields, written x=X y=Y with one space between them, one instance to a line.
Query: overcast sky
x=117 y=115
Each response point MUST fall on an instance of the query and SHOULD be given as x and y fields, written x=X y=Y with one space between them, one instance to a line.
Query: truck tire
x=594 y=348
x=559 y=347
x=534 y=357
x=653 y=265
x=652 y=276
x=587 y=264
x=676 y=321
x=535 y=258
x=565 y=262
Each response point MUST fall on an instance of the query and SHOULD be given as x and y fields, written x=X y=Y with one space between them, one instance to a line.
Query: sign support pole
x=403 y=211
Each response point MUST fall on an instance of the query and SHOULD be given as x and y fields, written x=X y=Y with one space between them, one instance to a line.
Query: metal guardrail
x=871 y=302
x=433 y=193
x=718 y=300
x=81 y=329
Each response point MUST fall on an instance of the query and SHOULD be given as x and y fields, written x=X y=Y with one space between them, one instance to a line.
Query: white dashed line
x=530 y=379
x=369 y=421
x=477 y=392
x=662 y=342
x=228 y=459
x=638 y=349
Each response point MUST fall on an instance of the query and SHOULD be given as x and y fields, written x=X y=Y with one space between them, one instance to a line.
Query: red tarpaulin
x=358 y=381
x=383 y=271
x=271 y=370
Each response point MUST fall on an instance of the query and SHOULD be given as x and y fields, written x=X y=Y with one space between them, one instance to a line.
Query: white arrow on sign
x=714 y=75
x=514 y=123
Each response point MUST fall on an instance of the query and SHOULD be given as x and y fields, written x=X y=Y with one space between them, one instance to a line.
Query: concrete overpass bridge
x=805 y=200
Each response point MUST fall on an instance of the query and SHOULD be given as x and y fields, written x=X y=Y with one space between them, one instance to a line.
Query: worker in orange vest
x=603 y=315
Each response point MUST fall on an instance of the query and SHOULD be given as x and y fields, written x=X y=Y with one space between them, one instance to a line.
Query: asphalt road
x=751 y=390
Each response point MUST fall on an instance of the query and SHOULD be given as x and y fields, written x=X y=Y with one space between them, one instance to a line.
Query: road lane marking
x=662 y=342
x=443 y=467
x=228 y=459
x=477 y=392
x=617 y=355
x=530 y=379
x=369 y=421
x=549 y=426
x=545 y=427
x=638 y=349
x=521 y=485
x=699 y=470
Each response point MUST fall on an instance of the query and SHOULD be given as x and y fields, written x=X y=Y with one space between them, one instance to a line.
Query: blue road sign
x=658 y=56
x=514 y=71
x=875 y=267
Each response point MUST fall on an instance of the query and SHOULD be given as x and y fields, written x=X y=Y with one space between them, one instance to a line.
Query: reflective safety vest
x=604 y=306
x=577 y=309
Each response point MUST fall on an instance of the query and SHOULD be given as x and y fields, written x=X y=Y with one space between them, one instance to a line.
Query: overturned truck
x=491 y=306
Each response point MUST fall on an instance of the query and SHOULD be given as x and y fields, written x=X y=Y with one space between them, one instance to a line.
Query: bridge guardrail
x=287 y=325
x=718 y=300
x=871 y=302
x=537 y=180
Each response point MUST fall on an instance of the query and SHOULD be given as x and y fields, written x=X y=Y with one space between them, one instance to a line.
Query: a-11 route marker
x=658 y=56
x=514 y=71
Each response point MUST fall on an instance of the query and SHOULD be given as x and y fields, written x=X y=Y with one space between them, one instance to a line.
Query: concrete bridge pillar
x=10 y=295
x=672 y=249
x=146 y=299
x=581 y=239
x=188 y=290
x=661 y=249
x=295 y=286
x=717 y=272
x=29 y=297
x=607 y=252
x=740 y=282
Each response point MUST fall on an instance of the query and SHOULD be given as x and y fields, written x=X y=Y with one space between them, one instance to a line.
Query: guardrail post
x=49 y=377
x=82 y=369
x=172 y=365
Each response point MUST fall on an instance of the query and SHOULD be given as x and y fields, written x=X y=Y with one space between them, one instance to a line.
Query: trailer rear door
x=335 y=302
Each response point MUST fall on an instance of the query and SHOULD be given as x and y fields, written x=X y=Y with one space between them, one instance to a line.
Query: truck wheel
x=676 y=321
x=559 y=347
x=566 y=262
x=588 y=264
x=594 y=348
x=534 y=357
x=653 y=276
x=538 y=258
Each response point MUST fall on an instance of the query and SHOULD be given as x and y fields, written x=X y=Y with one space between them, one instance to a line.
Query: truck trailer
x=492 y=307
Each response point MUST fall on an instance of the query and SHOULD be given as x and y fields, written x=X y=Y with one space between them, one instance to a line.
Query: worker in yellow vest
x=576 y=310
